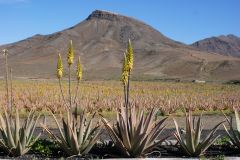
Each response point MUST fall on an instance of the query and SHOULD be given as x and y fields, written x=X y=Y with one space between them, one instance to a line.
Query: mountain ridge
x=101 y=39
x=225 y=45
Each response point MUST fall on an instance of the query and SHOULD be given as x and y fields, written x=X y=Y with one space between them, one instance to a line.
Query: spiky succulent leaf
x=135 y=134
x=75 y=138
x=191 y=142
x=233 y=134
x=17 y=139
x=237 y=120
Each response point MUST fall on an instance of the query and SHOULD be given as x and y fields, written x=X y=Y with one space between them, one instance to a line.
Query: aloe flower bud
x=79 y=69
x=59 y=67
x=130 y=55
x=70 y=54
x=125 y=71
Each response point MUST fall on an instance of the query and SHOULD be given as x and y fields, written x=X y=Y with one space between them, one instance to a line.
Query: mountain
x=102 y=38
x=226 y=45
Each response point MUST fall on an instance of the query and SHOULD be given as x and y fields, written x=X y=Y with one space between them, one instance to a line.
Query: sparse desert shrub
x=46 y=147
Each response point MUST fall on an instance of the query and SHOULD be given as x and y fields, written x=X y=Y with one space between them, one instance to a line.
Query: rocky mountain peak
x=100 y=14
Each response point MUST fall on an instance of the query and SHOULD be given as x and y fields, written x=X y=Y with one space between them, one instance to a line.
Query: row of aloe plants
x=135 y=133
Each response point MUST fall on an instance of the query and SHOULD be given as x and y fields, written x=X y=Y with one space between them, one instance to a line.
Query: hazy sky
x=182 y=20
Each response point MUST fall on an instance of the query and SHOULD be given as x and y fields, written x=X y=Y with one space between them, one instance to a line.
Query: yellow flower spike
x=130 y=55
x=70 y=54
x=125 y=64
x=59 y=67
x=79 y=69
x=125 y=70
x=124 y=78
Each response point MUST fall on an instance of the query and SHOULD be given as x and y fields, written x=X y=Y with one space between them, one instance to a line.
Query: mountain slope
x=226 y=45
x=101 y=39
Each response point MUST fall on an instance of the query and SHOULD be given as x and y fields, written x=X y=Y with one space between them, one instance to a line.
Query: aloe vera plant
x=233 y=134
x=136 y=134
x=191 y=141
x=16 y=139
x=77 y=136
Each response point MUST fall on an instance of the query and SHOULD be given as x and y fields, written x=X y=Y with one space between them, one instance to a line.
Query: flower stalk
x=11 y=91
x=70 y=58
x=126 y=73
x=124 y=77
x=71 y=100
x=5 y=53
x=79 y=77
x=59 y=75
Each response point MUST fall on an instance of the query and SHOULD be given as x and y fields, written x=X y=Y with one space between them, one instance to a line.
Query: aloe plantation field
x=106 y=96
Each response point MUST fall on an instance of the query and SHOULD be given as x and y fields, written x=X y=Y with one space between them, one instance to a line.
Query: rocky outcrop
x=100 y=14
